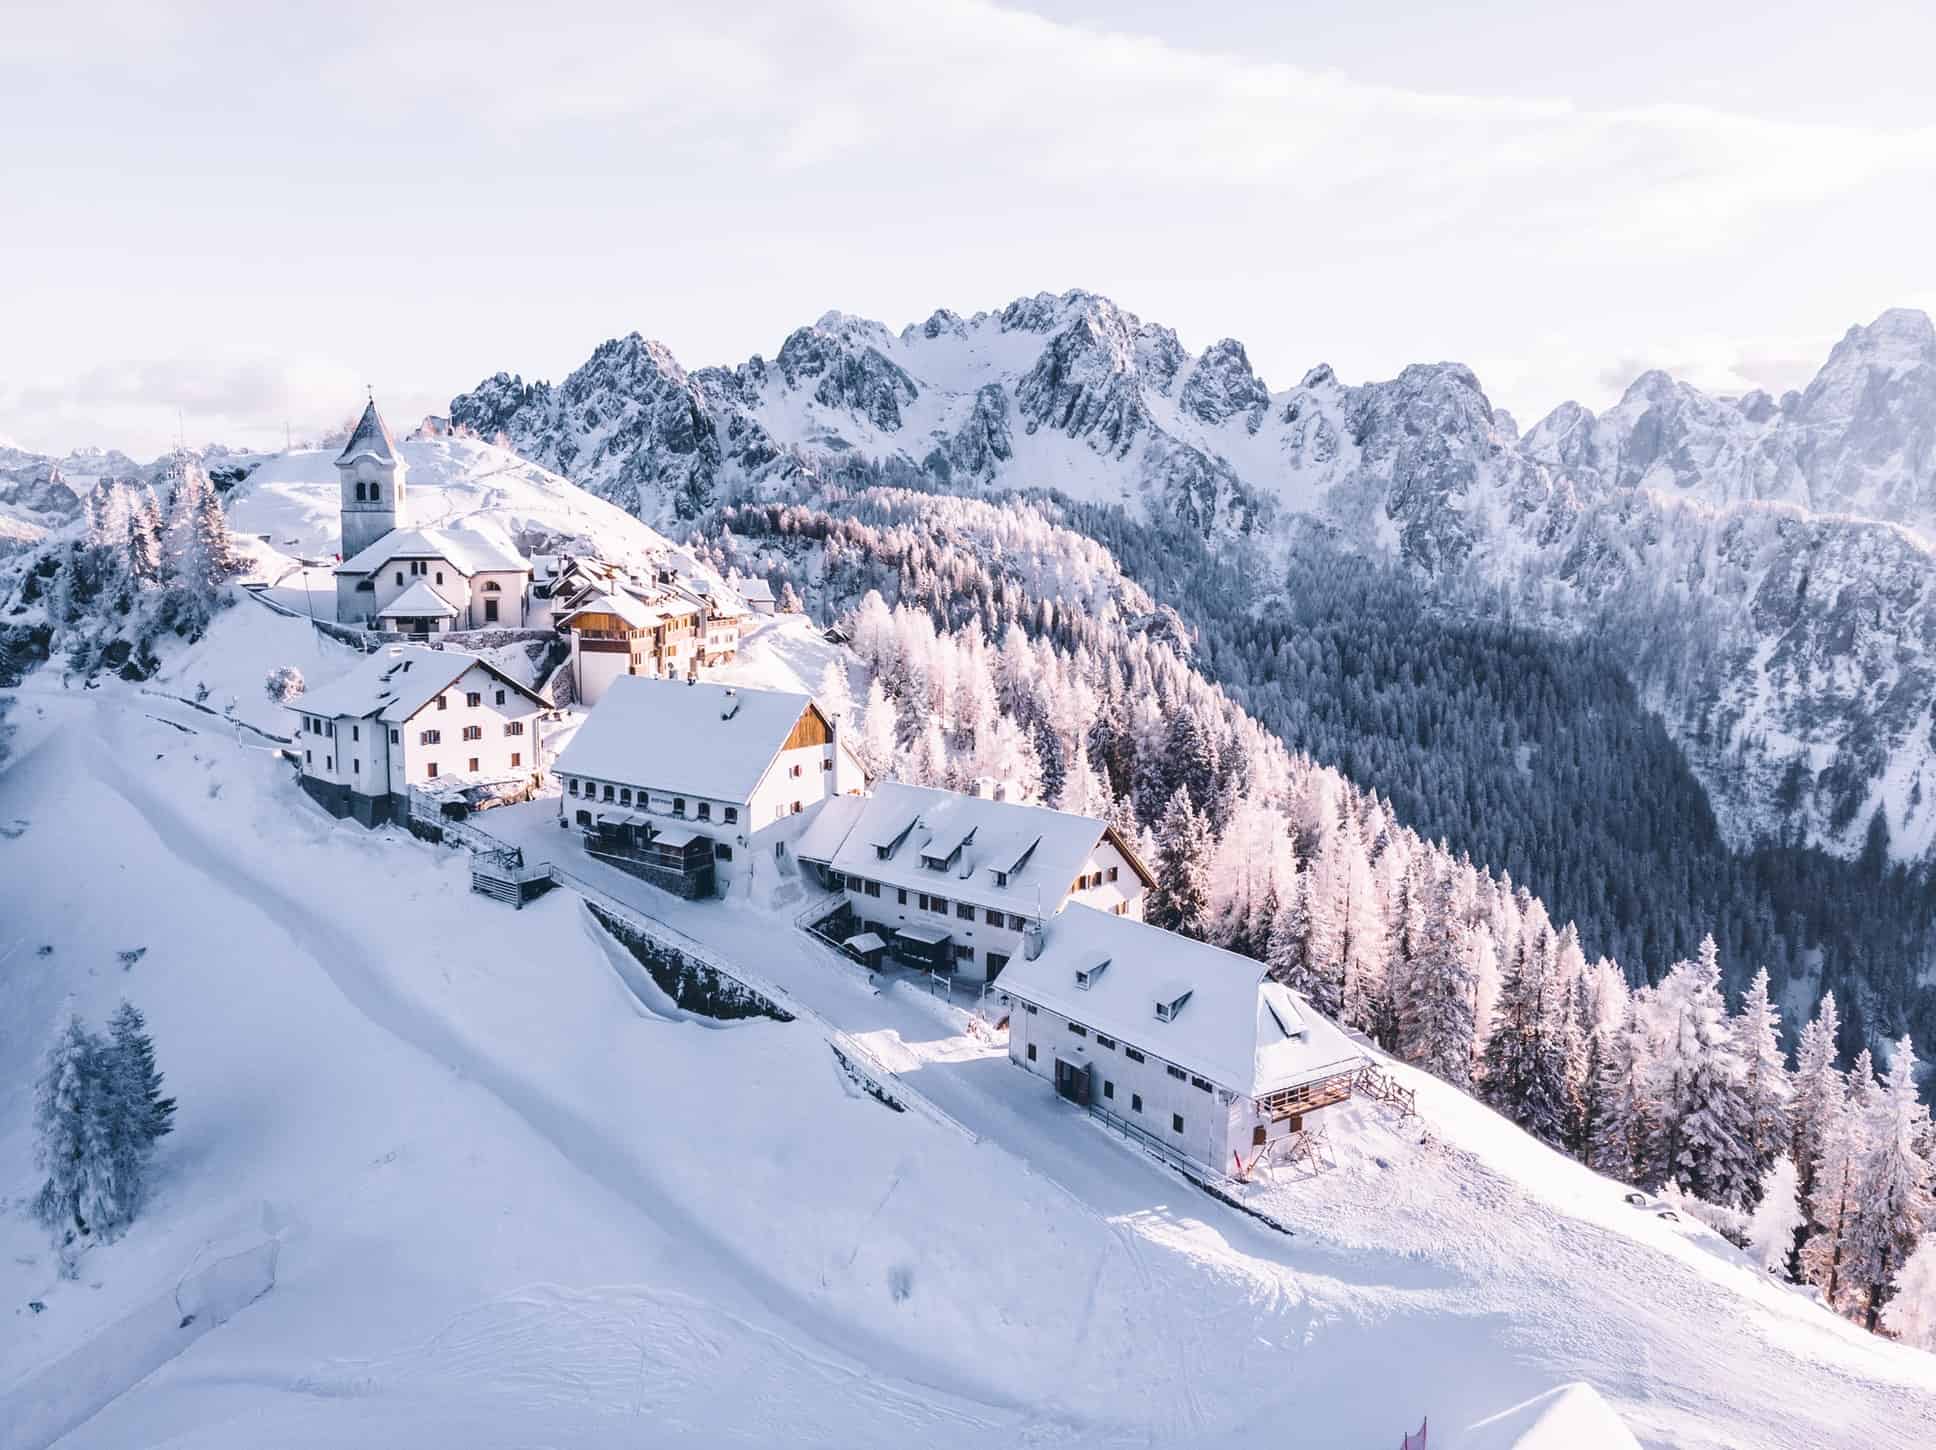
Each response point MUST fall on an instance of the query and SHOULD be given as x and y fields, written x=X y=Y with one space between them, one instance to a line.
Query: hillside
x=433 y=1104
x=1758 y=566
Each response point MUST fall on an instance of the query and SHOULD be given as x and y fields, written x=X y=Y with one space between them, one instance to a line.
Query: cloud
x=144 y=404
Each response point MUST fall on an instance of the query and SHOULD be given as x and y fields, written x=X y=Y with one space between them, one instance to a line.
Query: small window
x=473 y=732
x=472 y=767
x=625 y=795
x=1199 y=1084
x=1178 y=1073
x=359 y=493
x=514 y=727
x=678 y=805
x=584 y=818
x=900 y=896
x=1176 y=1122
x=1132 y=1054
x=1078 y=1029
x=827 y=764
x=608 y=790
x=443 y=702
x=440 y=576
x=376 y=493
x=994 y=918
x=798 y=807
x=1031 y=1008
x=1108 y=1088
x=1031 y=1052
x=571 y=787
x=330 y=730
x=430 y=737
x=393 y=736
x=399 y=577
x=309 y=757
x=356 y=765
x=430 y=771
x=794 y=771
x=873 y=888
x=964 y=951
x=1111 y=873
x=1136 y=1102
x=1108 y=1042
x=722 y=851
x=964 y=911
x=732 y=814
x=500 y=693
x=1015 y=923
x=705 y=810
x=472 y=697
x=517 y=759
x=356 y=732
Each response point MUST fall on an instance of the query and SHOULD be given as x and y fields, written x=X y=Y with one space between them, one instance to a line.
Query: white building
x=1177 y=1041
x=408 y=716
x=952 y=881
x=389 y=569
x=681 y=782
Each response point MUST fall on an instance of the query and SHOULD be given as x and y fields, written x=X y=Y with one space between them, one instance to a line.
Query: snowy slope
x=516 y=1206
x=292 y=500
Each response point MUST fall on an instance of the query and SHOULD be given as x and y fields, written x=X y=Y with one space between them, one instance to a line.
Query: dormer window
x=1001 y=878
x=1170 y=1000
x=1087 y=977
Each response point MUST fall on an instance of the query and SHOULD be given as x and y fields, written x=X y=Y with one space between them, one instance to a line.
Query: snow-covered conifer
x=1837 y=1187
x=1817 y=1088
x=1181 y=900
x=1893 y=1203
x=1704 y=1127
x=1435 y=1003
x=1910 y=1314
x=1765 y=1083
x=1777 y=1215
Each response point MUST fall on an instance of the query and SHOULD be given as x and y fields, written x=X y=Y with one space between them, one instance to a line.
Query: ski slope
x=514 y=1206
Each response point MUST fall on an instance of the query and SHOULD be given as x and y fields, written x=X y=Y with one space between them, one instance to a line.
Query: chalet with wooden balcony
x=1178 y=1043
x=710 y=774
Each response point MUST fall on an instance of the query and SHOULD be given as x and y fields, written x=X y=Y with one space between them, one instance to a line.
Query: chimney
x=1033 y=937
x=729 y=704
x=985 y=787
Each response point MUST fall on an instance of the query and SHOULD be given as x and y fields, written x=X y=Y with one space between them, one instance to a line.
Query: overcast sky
x=244 y=215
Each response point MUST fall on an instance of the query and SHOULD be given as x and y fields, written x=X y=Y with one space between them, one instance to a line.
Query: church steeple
x=370 y=471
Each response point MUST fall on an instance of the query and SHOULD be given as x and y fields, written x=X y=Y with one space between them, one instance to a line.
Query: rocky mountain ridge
x=1760 y=560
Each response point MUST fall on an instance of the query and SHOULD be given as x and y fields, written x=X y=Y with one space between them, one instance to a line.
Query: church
x=415 y=581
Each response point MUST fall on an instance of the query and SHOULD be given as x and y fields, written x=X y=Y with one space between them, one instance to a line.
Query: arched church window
x=376 y=493
x=359 y=493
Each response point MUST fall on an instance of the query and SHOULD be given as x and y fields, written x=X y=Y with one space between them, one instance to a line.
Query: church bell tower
x=370 y=472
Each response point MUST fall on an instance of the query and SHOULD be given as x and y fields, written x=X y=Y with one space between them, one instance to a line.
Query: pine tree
x=136 y=1077
x=1626 y=1117
x=1910 y=1314
x=1894 y=1202
x=1765 y=1085
x=1818 y=1088
x=1181 y=900
x=836 y=695
x=1837 y=1184
x=90 y=1139
x=1704 y=1116
x=1777 y=1216
x=1526 y=1058
x=879 y=744
x=1436 y=1029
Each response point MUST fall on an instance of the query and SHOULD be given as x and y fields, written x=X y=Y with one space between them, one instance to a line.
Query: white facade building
x=406 y=717
x=473 y=580
x=953 y=881
x=1179 y=1042
x=663 y=761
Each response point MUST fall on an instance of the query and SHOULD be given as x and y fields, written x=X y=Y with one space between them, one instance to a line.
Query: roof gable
x=465 y=550
x=398 y=682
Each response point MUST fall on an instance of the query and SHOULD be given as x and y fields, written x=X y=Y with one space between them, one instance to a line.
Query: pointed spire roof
x=371 y=438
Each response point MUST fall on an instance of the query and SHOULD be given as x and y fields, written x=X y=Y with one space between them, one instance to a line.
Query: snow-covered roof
x=371 y=439
x=419 y=601
x=753 y=591
x=1040 y=851
x=633 y=611
x=469 y=551
x=396 y=683
x=1234 y=1028
x=697 y=739
x=831 y=822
